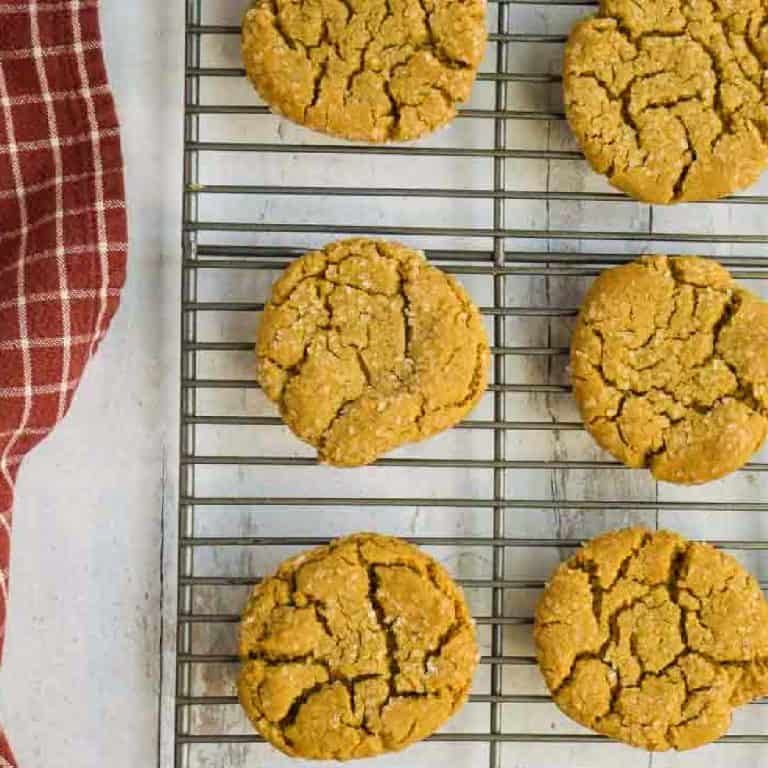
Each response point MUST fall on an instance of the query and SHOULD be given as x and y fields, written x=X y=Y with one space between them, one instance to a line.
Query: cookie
x=370 y=70
x=360 y=647
x=365 y=346
x=652 y=640
x=669 y=367
x=669 y=98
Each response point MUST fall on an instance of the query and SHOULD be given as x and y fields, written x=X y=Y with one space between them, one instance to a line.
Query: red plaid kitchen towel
x=62 y=227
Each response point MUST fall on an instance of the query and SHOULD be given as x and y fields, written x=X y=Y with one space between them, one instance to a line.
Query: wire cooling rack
x=502 y=199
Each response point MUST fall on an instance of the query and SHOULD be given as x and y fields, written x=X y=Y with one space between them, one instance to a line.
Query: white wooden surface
x=80 y=680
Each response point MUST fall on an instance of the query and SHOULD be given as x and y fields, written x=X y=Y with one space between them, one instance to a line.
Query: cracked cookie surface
x=366 y=70
x=360 y=647
x=669 y=98
x=652 y=640
x=365 y=346
x=669 y=367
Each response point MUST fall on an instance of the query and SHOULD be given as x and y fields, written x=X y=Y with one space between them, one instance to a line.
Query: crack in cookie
x=366 y=70
x=391 y=660
x=680 y=638
x=365 y=346
x=669 y=368
x=669 y=99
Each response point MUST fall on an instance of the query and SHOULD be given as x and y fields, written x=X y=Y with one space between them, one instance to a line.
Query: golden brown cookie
x=368 y=70
x=652 y=640
x=669 y=98
x=365 y=347
x=669 y=367
x=360 y=647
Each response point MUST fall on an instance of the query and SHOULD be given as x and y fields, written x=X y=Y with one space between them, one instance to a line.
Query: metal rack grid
x=553 y=254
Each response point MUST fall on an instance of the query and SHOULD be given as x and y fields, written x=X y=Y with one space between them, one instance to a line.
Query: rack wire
x=511 y=210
